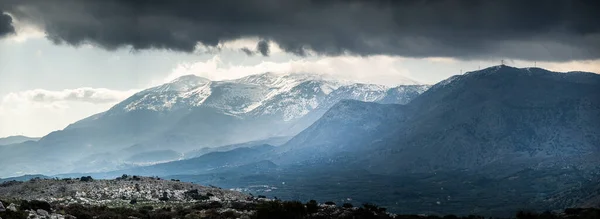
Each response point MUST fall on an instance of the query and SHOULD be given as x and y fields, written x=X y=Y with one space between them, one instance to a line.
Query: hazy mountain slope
x=187 y=113
x=25 y=158
x=16 y=140
x=275 y=141
x=154 y=157
x=345 y=128
x=201 y=127
x=202 y=164
x=111 y=131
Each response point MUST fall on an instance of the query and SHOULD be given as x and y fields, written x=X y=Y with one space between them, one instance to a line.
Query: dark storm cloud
x=553 y=30
x=247 y=51
x=263 y=47
x=6 y=27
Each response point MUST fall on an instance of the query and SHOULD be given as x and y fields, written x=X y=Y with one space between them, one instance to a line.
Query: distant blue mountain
x=23 y=178
x=211 y=162
x=275 y=141
x=16 y=140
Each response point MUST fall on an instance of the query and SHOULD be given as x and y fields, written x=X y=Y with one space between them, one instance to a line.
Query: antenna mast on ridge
x=501 y=61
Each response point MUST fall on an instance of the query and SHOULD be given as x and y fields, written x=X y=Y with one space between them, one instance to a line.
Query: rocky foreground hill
x=151 y=197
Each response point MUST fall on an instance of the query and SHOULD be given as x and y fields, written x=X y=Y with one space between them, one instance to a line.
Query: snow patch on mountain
x=292 y=102
x=183 y=92
x=364 y=92
x=291 y=96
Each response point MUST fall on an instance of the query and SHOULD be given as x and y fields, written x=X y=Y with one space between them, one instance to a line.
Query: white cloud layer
x=237 y=45
x=386 y=70
x=38 y=112
x=587 y=66
x=84 y=94
x=374 y=69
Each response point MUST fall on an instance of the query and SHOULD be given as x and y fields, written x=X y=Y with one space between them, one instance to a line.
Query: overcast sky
x=63 y=60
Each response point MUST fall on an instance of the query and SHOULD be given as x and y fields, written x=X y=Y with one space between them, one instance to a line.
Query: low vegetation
x=255 y=209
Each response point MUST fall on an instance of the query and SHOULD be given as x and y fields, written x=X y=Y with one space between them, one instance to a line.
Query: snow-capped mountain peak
x=183 y=92
x=259 y=79
x=275 y=80
x=284 y=96
x=291 y=95
x=183 y=83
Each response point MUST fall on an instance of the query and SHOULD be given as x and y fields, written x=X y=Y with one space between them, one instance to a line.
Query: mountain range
x=190 y=113
x=487 y=142
x=514 y=137
x=498 y=116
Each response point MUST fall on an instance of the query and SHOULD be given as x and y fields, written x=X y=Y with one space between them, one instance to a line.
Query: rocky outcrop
x=120 y=192
x=145 y=197
x=11 y=207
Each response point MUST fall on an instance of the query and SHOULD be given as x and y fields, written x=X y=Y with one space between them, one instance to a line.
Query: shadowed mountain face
x=496 y=117
x=192 y=113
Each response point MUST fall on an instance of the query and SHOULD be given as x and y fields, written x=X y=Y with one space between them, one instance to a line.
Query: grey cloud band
x=554 y=30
